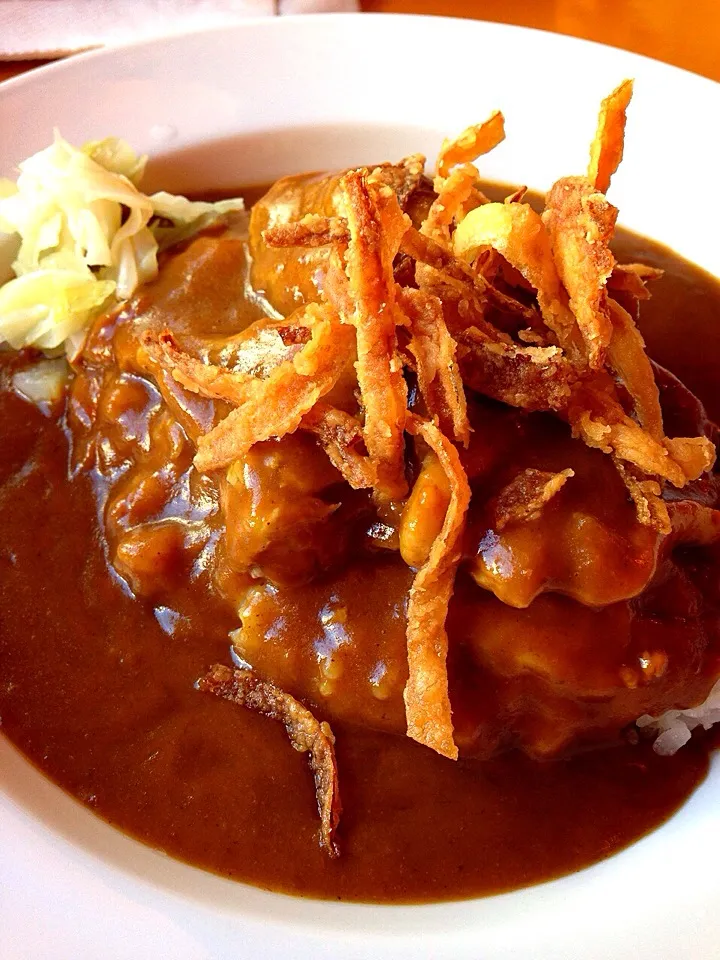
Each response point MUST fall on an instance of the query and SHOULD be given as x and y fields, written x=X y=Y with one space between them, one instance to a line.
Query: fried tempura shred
x=453 y=272
x=404 y=178
x=377 y=225
x=340 y=435
x=531 y=378
x=606 y=150
x=310 y=231
x=597 y=417
x=646 y=494
x=525 y=496
x=427 y=702
x=455 y=194
x=632 y=278
x=694 y=455
x=436 y=363
x=472 y=143
x=269 y=407
x=628 y=360
x=192 y=373
x=516 y=196
x=581 y=223
x=307 y=735
x=516 y=231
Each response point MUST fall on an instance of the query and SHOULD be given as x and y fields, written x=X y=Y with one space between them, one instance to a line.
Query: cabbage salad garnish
x=85 y=237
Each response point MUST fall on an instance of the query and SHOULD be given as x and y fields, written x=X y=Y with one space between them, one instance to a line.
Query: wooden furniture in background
x=682 y=32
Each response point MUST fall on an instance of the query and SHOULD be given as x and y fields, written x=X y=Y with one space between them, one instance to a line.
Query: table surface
x=681 y=32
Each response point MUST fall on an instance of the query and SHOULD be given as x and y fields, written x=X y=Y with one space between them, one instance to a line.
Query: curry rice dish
x=386 y=461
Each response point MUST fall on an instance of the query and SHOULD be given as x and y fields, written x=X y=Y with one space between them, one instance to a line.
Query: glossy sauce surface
x=98 y=690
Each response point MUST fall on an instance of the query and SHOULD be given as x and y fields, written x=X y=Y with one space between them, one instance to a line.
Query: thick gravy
x=97 y=689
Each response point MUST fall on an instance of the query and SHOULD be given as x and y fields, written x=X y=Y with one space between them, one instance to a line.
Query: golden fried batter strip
x=525 y=496
x=454 y=272
x=376 y=225
x=542 y=378
x=264 y=407
x=528 y=377
x=632 y=278
x=628 y=360
x=307 y=735
x=312 y=230
x=427 y=701
x=404 y=178
x=597 y=417
x=581 y=223
x=193 y=374
x=436 y=363
x=340 y=435
x=606 y=150
x=516 y=231
x=456 y=196
x=472 y=143
x=646 y=494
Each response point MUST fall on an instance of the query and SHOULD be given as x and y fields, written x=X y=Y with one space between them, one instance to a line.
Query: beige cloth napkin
x=52 y=28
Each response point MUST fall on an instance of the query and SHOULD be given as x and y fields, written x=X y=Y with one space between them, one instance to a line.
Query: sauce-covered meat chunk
x=553 y=618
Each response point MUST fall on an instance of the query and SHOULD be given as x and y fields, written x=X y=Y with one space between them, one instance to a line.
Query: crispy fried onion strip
x=456 y=193
x=695 y=455
x=516 y=231
x=269 y=407
x=404 y=177
x=526 y=494
x=542 y=378
x=341 y=436
x=192 y=373
x=451 y=271
x=694 y=522
x=255 y=352
x=437 y=369
x=646 y=494
x=427 y=701
x=627 y=357
x=516 y=196
x=632 y=278
x=596 y=415
x=472 y=143
x=581 y=223
x=376 y=226
x=622 y=436
x=531 y=378
x=421 y=248
x=606 y=150
x=307 y=735
x=312 y=230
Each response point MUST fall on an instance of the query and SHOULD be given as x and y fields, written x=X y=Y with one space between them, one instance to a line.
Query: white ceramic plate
x=320 y=91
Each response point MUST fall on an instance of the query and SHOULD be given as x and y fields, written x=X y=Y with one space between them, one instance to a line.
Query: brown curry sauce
x=98 y=690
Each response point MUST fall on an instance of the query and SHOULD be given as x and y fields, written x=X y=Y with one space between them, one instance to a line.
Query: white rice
x=674 y=728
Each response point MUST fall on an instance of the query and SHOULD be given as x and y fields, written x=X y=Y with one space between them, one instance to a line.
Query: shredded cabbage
x=86 y=234
x=43 y=382
x=45 y=307
x=186 y=216
x=117 y=156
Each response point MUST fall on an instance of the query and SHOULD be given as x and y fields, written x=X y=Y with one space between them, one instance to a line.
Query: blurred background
x=685 y=33
x=681 y=32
